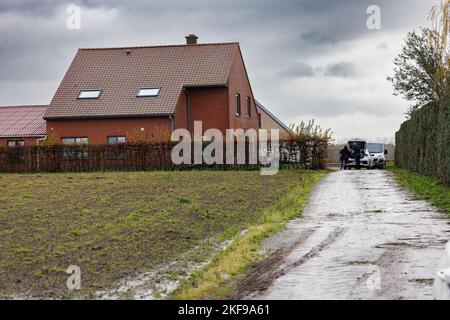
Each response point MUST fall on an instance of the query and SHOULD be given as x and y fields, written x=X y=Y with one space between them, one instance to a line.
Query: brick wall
x=98 y=130
x=239 y=83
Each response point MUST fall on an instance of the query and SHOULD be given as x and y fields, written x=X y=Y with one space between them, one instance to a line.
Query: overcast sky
x=306 y=58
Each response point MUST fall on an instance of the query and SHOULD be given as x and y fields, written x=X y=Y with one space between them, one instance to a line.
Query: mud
x=163 y=280
x=361 y=237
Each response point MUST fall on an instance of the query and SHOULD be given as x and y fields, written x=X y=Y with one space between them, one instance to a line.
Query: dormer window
x=89 y=94
x=149 y=92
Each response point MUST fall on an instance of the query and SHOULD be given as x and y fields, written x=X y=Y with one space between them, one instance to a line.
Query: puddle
x=158 y=283
x=361 y=237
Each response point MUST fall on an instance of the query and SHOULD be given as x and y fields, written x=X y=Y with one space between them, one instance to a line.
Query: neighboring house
x=22 y=125
x=268 y=121
x=109 y=94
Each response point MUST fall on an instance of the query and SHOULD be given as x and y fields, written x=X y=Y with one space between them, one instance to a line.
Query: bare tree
x=422 y=69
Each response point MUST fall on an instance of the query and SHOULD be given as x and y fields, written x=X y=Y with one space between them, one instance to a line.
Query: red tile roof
x=120 y=72
x=22 y=121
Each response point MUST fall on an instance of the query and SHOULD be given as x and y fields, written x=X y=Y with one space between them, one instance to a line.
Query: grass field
x=426 y=188
x=117 y=225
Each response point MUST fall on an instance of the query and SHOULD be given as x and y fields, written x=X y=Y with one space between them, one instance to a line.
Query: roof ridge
x=163 y=46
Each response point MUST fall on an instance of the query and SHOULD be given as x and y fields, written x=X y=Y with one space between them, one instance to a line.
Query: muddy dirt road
x=361 y=237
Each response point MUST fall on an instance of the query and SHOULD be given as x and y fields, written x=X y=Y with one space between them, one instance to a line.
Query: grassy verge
x=426 y=188
x=217 y=279
x=116 y=225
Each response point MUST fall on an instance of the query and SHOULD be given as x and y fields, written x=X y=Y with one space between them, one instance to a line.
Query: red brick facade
x=239 y=83
x=98 y=131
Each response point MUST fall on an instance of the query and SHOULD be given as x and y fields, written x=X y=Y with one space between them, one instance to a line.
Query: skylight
x=89 y=94
x=149 y=92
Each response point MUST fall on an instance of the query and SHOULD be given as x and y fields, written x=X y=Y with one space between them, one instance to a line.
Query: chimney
x=191 y=39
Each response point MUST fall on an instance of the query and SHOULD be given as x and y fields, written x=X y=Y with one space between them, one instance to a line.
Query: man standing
x=344 y=155
x=357 y=156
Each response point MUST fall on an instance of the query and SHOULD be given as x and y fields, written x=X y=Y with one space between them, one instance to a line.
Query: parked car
x=366 y=159
x=441 y=290
x=378 y=154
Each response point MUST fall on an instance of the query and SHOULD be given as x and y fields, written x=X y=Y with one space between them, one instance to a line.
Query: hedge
x=423 y=142
x=307 y=153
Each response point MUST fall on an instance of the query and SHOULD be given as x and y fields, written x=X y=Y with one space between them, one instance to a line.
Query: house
x=267 y=120
x=22 y=125
x=109 y=94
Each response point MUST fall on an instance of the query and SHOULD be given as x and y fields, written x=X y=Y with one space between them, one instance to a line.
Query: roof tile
x=22 y=121
x=121 y=72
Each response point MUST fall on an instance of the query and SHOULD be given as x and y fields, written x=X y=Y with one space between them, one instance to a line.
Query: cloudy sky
x=306 y=58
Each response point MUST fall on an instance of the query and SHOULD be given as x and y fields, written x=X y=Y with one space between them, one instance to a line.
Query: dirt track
x=361 y=237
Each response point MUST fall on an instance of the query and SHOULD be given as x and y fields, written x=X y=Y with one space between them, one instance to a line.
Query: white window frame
x=75 y=140
x=89 y=94
x=149 y=92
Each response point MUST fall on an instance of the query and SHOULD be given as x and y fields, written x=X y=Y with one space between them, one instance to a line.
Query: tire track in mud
x=263 y=273
x=361 y=236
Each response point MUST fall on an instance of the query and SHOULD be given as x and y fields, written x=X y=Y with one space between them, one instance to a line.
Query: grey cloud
x=299 y=69
x=316 y=37
x=36 y=48
x=341 y=69
x=302 y=69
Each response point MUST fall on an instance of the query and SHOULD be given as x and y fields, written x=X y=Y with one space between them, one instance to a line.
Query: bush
x=308 y=152
x=423 y=142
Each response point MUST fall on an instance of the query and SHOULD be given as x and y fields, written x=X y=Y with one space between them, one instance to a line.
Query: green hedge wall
x=423 y=142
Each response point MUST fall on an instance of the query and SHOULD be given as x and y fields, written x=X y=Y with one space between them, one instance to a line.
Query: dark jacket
x=344 y=154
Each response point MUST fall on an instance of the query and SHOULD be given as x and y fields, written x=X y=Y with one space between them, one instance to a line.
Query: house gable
x=119 y=73
x=239 y=83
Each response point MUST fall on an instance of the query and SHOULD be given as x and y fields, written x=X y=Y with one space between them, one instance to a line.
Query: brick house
x=109 y=95
x=22 y=125
x=112 y=93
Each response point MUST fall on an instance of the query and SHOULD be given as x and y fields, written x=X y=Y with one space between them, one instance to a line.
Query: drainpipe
x=171 y=123
x=37 y=158
x=187 y=109
x=41 y=139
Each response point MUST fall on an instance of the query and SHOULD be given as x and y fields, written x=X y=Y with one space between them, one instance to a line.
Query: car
x=441 y=288
x=378 y=153
x=366 y=160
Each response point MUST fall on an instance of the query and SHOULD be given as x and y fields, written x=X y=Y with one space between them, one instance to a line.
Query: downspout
x=171 y=123
x=41 y=139
x=37 y=158
x=187 y=108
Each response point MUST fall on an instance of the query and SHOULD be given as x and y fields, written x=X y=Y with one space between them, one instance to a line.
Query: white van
x=378 y=154
x=366 y=160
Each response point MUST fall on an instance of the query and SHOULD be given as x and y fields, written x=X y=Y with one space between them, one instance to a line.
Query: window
x=82 y=140
x=149 y=92
x=15 y=152
x=249 y=107
x=116 y=140
x=238 y=105
x=75 y=148
x=15 y=143
x=116 y=149
x=89 y=94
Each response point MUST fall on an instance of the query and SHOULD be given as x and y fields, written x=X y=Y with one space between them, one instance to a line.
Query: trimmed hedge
x=423 y=142
x=308 y=153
